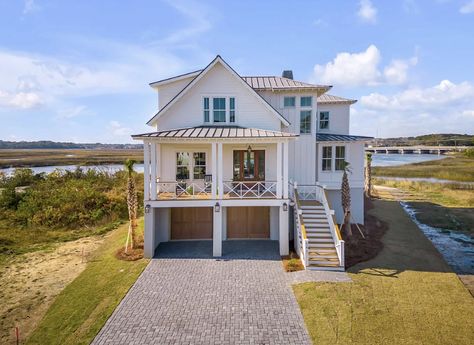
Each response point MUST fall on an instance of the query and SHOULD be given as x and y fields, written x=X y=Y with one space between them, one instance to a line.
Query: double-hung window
x=231 y=109
x=327 y=158
x=306 y=101
x=206 y=109
x=219 y=109
x=289 y=102
x=185 y=164
x=182 y=165
x=324 y=120
x=199 y=168
x=305 y=121
x=340 y=162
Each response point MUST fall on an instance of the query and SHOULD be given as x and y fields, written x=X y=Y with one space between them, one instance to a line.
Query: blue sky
x=79 y=70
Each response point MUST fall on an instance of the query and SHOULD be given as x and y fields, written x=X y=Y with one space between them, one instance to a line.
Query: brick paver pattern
x=239 y=299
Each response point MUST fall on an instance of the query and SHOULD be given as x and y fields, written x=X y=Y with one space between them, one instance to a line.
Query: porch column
x=214 y=169
x=153 y=164
x=149 y=235
x=279 y=170
x=285 y=170
x=283 y=231
x=146 y=170
x=158 y=167
x=217 y=231
x=220 y=169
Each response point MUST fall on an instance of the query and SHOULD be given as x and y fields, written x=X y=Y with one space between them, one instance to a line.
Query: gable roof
x=218 y=59
x=331 y=99
x=282 y=84
x=175 y=78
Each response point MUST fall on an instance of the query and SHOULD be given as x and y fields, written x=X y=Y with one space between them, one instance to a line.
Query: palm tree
x=368 y=174
x=346 y=201
x=132 y=203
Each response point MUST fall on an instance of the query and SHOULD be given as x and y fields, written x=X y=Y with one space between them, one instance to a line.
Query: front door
x=249 y=165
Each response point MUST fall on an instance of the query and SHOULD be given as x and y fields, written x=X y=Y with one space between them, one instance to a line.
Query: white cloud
x=467 y=8
x=355 y=69
x=410 y=6
x=320 y=23
x=30 y=6
x=118 y=130
x=20 y=100
x=367 y=12
x=445 y=107
x=70 y=112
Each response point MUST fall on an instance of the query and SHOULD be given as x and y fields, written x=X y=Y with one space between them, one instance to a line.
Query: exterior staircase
x=322 y=254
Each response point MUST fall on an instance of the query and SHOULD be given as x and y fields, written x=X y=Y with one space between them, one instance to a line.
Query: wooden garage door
x=191 y=223
x=248 y=222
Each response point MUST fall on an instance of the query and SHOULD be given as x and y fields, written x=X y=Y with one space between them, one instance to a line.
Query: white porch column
x=220 y=169
x=149 y=235
x=158 y=166
x=146 y=170
x=285 y=170
x=283 y=231
x=279 y=170
x=217 y=231
x=153 y=163
x=214 y=169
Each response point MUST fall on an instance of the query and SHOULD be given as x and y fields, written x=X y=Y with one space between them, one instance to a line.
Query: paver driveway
x=243 y=298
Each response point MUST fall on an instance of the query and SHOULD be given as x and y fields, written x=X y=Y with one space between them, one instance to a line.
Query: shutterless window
x=289 y=102
x=323 y=119
x=218 y=108
x=182 y=165
x=199 y=169
x=306 y=101
x=206 y=109
x=340 y=157
x=232 y=109
x=305 y=121
x=327 y=158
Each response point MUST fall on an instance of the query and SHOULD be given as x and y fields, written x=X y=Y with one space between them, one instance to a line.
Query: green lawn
x=406 y=295
x=83 y=307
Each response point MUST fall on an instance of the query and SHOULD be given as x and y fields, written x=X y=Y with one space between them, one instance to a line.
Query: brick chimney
x=287 y=74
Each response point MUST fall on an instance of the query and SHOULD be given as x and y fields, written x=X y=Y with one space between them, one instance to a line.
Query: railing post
x=285 y=170
x=214 y=169
x=279 y=169
x=146 y=169
x=342 y=258
x=153 y=163
x=220 y=177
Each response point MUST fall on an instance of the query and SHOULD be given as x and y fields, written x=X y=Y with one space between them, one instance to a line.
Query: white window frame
x=325 y=158
x=307 y=106
x=310 y=121
x=328 y=120
x=227 y=109
x=289 y=106
x=338 y=159
x=333 y=157
x=191 y=164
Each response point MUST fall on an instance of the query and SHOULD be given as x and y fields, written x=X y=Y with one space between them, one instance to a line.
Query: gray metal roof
x=331 y=99
x=340 y=137
x=215 y=132
x=280 y=83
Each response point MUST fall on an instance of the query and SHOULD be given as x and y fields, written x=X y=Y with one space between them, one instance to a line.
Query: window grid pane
x=327 y=158
x=232 y=109
x=305 y=121
x=306 y=101
x=289 y=102
x=182 y=165
x=219 y=109
x=206 y=109
x=340 y=158
x=324 y=120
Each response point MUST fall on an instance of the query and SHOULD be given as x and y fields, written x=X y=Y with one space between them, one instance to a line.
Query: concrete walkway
x=184 y=296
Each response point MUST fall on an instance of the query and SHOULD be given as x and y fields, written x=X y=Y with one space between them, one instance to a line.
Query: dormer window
x=221 y=108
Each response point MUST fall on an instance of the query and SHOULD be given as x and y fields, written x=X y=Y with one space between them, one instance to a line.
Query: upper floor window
x=206 y=109
x=306 y=101
x=305 y=121
x=327 y=158
x=232 y=109
x=324 y=120
x=289 y=102
x=340 y=163
x=184 y=165
x=219 y=109
x=199 y=169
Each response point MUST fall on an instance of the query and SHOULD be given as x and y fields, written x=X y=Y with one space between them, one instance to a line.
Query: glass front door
x=249 y=166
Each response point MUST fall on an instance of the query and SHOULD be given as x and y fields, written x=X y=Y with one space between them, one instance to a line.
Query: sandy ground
x=31 y=282
x=394 y=194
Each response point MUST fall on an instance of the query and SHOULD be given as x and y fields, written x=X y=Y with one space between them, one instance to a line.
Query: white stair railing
x=301 y=238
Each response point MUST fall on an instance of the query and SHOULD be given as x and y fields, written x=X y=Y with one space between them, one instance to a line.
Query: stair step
x=323 y=263
x=321 y=234
x=315 y=232
x=322 y=240
x=311 y=215
x=317 y=226
x=323 y=256
x=316 y=211
x=321 y=245
x=306 y=208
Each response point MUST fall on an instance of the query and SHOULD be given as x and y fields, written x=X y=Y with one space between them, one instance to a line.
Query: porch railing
x=250 y=189
x=184 y=190
x=301 y=238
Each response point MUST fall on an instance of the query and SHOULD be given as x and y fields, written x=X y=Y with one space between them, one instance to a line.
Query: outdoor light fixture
x=249 y=150
x=147 y=209
x=285 y=206
x=217 y=207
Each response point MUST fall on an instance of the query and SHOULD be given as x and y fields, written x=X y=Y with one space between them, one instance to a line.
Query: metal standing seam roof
x=331 y=99
x=216 y=132
x=280 y=83
x=340 y=137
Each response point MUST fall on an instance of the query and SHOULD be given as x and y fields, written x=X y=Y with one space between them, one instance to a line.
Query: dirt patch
x=468 y=281
x=131 y=254
x=292 y=262
x=359 y=249
x=30 y=283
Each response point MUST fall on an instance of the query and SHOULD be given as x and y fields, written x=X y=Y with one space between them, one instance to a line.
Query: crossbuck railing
x=174 y=190
x=250 y=189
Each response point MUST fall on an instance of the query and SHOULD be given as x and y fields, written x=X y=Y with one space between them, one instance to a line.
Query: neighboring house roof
x=331 y=99
x=340 y=137
x=280 y=83
x=200 y=75
x=215 y=132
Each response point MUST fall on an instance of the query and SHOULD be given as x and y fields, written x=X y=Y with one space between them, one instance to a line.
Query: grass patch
x=455 y=168
x=292 y=262
x=83 y=307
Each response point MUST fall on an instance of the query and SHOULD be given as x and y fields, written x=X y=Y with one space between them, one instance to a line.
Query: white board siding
x=357 y=204
x=338 y=118
x=188 y=111
x=167 y=92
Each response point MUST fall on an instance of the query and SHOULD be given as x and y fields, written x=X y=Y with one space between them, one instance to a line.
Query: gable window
x=305 y=121
x=324 y=120
x=206 y=109
x=218 y=107
x=340 y=158
x=327 y=158
x=199 y=169
x=232 y=109
x=182 y=165
x=289 y=102
x=306 y=101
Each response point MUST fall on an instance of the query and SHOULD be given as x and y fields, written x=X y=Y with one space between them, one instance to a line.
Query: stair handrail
x=302 y=240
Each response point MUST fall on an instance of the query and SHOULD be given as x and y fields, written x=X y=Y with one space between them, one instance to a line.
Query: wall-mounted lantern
x=249 y=150
x=147 y=208
x=285 y=206
x=217 y=207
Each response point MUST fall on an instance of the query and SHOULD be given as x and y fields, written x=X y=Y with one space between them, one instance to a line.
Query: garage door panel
x=248 y=222
x=189 y=223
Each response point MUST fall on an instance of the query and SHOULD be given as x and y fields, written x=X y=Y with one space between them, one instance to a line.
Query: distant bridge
x=419 y=149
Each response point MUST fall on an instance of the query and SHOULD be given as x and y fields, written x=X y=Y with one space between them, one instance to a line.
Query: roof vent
x=287 y=74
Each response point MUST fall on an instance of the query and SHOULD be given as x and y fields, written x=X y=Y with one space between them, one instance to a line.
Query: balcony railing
x=184 y=190
x=250 y=189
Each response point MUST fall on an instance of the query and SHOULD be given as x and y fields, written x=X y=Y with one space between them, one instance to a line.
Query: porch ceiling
x=216 y=132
